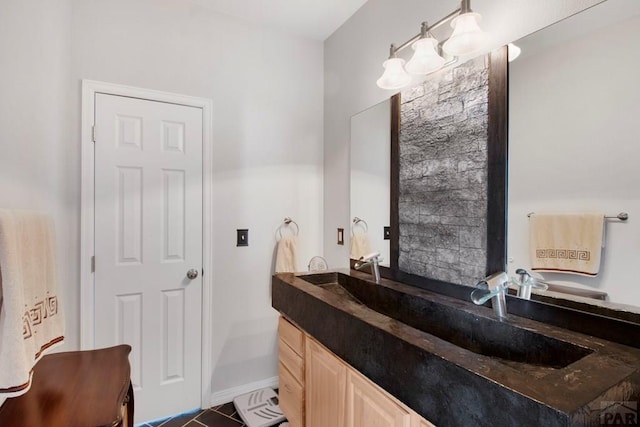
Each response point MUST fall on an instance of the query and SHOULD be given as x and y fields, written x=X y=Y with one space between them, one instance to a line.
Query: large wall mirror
x=370 y=186
x=574 y=141
x=574 y=145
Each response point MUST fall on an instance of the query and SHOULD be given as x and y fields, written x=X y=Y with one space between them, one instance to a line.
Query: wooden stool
x=76 y=389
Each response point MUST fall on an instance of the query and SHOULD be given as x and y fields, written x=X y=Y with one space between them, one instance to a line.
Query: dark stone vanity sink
x=451 y=322
x=454 y=362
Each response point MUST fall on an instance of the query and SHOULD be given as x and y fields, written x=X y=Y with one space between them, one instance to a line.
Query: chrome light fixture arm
x=426 y=29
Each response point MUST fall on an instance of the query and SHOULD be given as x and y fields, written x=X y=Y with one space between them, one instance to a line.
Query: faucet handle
x=370 y=257
x=373 y=259
x=524 y=274
x=496 y=280
x=527 y=279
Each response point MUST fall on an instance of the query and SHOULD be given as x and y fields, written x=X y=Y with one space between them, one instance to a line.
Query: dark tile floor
x=218 y=416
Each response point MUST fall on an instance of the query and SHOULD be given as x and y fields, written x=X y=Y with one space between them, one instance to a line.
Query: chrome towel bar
x=622 y=216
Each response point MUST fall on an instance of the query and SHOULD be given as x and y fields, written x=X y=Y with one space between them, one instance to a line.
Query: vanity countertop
x=450 y=385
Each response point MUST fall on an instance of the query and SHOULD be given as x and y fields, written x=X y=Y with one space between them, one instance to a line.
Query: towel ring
x=287 y=222
x=357 y=221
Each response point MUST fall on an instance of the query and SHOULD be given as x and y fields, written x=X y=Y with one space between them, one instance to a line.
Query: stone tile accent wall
x=443 y=175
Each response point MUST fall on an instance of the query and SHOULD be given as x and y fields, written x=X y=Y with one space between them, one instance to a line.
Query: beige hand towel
x=566 y=243
x=360 y=245
x=30 y=319
x=286 y=255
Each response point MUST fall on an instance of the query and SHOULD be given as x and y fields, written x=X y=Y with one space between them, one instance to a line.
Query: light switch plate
x=387 y=233
x=341 y=236
x=243 y=237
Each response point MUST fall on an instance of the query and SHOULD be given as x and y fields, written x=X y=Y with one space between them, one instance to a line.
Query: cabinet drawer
x=291 y=335
x=291 y=361
x=291 y=397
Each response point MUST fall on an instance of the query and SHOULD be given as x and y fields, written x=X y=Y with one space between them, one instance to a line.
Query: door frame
x=90 y=88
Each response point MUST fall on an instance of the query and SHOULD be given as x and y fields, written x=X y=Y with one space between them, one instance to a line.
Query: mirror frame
x=497 y=154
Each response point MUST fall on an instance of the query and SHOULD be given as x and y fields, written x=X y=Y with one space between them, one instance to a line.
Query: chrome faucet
x=493 y=288
x=525 y=282
x=373 y=259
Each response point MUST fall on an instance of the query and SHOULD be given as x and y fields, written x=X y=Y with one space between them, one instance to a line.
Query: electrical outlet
x=243 y=237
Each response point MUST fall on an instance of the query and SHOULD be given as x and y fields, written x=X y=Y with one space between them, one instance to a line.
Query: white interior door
x=148 y=236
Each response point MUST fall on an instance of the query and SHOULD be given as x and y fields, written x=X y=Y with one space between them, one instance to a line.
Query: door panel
x=325 y=379
x=370 y=407
x=148 y=234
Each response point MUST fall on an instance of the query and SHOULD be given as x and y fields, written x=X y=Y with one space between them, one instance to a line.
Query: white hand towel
x=566 y=243
x=360 y=245
x=30 y=318
x=286 y=255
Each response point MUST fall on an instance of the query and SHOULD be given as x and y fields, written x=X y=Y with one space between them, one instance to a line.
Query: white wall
x=574 y=146
x=35 y=139
x=370 y=175
x=266 y=88
x=353 y=61
x=267 y=91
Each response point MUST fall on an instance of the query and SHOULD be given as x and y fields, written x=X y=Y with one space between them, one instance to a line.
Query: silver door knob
x=192 y=274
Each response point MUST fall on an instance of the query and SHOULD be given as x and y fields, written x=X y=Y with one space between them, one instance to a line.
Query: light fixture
x=425 y=58
x=467 y=38
x=394 y=76
x=513 y=52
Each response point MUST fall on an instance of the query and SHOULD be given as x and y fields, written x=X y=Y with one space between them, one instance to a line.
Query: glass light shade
x=394 y=76
x=513 y=52
x=425 y=59
x=467 y=36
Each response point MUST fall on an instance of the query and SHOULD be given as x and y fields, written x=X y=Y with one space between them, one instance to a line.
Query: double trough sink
x=456 y=363
x=482 y=335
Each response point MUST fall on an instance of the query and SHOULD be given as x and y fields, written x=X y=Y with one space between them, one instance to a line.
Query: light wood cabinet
x=421 y=422
x=325 y=378
x=317 y=389
x=370 y=406
x=291 y=397
x=291 y=335
x=291 y=372
x=292 y=361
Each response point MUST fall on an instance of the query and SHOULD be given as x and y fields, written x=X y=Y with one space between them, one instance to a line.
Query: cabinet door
x=421 y=422
x=325 y=380
x=369 y=406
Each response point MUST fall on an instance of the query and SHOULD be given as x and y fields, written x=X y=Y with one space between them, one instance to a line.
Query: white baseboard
x=225 y=396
